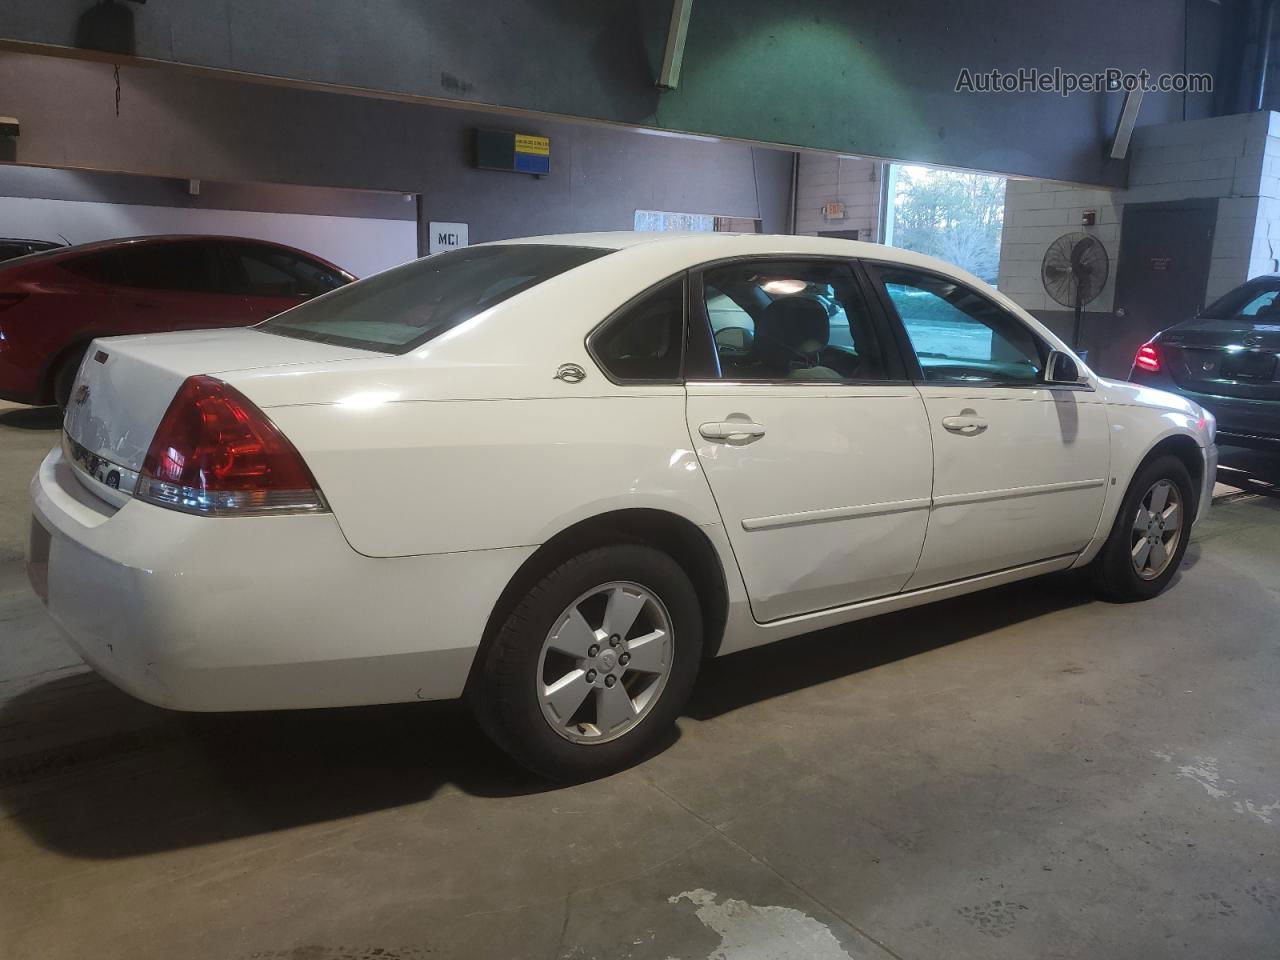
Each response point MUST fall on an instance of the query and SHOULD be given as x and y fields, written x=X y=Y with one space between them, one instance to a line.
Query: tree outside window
x=949 y=214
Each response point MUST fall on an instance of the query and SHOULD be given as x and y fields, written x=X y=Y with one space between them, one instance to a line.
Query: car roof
x=708 y=246
x=58 y=254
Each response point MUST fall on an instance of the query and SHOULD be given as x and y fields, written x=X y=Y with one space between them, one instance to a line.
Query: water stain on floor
x=749 y=932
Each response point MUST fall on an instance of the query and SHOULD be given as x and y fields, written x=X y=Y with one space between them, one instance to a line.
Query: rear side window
x=395 y=311
x=646 y=340
x=270 y=272
x=185 y=267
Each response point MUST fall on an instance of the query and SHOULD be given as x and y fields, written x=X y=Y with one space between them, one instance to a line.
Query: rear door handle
x=731 y=430
x=968 y=425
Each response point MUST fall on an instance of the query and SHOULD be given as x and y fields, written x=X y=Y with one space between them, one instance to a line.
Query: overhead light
x=783 y=288
x=676 y=135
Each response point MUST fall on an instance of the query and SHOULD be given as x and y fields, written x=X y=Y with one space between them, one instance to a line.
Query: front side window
x=646 y=340
x=959 y=336
x=399 y=309
x=790 y=320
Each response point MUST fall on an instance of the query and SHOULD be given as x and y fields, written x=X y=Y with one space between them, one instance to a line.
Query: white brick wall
x=853 y=181
x=1236 y=159
x=1036 y=213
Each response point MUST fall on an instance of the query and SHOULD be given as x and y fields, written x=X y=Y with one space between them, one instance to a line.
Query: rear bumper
x=199 y=613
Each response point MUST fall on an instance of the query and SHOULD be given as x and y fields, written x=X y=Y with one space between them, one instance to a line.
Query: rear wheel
x=64 y=377
x=594 y=664
x=1150 y=534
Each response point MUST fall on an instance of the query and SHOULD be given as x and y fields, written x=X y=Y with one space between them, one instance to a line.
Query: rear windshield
x=1252 y=300
x=395 y=311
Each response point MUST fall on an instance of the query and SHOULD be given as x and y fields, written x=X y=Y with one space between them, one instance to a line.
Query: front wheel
x=1150 y=534
x=594 y=664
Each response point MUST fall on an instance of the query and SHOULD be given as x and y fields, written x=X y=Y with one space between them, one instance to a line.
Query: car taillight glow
x=1147 y=359
x=215 y=453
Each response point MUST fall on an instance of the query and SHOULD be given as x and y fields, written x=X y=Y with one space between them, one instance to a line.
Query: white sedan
x=554 y=474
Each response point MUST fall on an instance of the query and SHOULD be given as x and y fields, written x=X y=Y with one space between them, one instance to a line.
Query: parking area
x=1020 y=772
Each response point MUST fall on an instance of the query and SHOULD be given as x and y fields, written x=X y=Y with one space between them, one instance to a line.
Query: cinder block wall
x=1234 y=159
x=853 y=181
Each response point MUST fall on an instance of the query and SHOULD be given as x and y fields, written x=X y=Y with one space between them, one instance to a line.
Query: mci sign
x=445 y=236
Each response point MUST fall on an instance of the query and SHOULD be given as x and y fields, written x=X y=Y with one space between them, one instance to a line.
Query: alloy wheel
x=604 y=662
x=1157 y=530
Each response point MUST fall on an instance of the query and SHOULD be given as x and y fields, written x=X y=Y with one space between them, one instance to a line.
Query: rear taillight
x=1147 y=359
x=217 y=454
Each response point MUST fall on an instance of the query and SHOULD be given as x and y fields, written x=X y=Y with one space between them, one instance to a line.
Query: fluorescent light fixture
x=676 y=135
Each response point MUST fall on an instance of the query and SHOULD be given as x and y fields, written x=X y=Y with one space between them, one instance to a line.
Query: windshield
x=395 y=311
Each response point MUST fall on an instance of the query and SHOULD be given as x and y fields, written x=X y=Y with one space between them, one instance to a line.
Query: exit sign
x=445 y=236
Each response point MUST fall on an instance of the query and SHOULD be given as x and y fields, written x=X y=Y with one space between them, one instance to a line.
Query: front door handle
x=739 y=430
x=965 y=424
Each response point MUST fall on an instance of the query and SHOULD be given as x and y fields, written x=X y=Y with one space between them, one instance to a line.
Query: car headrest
x=797 y=324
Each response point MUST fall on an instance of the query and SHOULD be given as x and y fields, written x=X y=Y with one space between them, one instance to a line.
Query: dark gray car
x=1226 y=361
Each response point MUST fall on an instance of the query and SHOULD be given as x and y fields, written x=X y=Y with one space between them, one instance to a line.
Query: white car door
x=814 y=443
x=1020 y=467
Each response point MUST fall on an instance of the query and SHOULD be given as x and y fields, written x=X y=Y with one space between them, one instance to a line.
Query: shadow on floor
x=762 y=673
x=104 y=776
x=31 y=418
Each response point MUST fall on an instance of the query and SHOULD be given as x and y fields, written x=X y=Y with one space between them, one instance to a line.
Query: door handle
x=731 y=430
x=965 y=424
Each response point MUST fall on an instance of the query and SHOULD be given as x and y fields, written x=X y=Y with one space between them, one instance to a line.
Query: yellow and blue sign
x=514 y=152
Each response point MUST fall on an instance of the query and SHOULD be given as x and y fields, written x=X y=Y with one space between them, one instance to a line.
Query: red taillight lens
x=1147 y=359
x=216 y=453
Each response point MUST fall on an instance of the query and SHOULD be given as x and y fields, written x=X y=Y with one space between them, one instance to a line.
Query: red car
x=52 y=304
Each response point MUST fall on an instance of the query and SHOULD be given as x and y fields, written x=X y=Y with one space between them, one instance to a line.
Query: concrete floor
x=1022 y=773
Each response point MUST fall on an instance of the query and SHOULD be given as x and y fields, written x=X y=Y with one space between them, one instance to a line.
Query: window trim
x=589 y=341
x=873 y=269
x=886 y=341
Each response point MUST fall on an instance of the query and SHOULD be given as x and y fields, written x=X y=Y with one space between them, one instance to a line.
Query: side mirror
x=1061 y=368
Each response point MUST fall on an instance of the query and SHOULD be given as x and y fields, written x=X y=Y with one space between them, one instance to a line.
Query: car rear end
x=181 y=543
x=1228 y=367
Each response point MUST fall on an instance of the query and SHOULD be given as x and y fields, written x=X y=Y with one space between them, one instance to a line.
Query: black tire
x=1115 y=575
x=64 y=377
x=503 y=692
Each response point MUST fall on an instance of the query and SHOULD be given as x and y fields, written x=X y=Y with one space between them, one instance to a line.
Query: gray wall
x=866 y=78
x=177 y=124
x=45 y=183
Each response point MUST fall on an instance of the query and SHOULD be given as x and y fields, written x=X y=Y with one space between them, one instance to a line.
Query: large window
x=395 y=311
x=790 y=320
x=953 y=215
x=959 y=335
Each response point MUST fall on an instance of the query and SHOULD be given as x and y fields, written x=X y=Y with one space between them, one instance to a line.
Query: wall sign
x=513 y=152
x=445 y=236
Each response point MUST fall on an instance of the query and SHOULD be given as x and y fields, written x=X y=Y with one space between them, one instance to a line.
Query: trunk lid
x=125 y=383
x=1228 y=358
